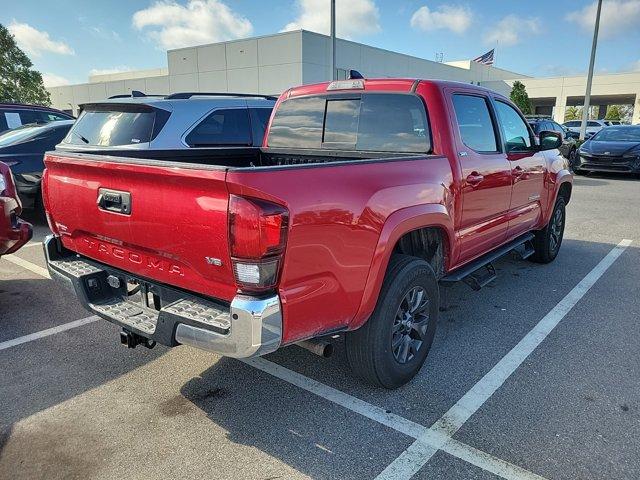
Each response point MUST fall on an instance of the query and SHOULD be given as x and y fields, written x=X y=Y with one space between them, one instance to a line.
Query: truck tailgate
x=164 y=222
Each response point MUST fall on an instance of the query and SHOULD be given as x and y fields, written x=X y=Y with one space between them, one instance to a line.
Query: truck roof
x=390 y=84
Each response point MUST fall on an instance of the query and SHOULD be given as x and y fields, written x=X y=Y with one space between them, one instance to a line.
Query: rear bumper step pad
x=249 y=326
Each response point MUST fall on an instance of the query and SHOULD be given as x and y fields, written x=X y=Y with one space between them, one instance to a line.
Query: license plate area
x=144 y=294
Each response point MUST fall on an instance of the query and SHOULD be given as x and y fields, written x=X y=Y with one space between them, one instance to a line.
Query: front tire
x=548 y=240
x=389 y=350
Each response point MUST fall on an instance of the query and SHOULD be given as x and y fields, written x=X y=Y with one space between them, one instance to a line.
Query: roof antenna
x=354 y=74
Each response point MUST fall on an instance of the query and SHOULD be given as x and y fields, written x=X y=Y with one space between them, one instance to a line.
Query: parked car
x=14 y=232
x=367 y=195
x=613 y=149
x=593 y=126
x=23 y=150
x=182 y=121
x=568 y=148
x=13 y=115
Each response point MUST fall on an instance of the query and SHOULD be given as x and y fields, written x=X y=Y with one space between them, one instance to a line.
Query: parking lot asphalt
x=76 y=404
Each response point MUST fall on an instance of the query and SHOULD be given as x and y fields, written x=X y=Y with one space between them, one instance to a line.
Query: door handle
x=114 y=201
x=474 y=178
x=517 y=171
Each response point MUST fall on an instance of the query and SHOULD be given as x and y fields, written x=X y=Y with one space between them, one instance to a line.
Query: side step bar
x=481 y=271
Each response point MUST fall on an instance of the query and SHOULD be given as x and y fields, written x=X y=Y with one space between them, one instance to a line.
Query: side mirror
x=550 y=140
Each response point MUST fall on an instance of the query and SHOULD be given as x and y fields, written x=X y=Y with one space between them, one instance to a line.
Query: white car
x=593 y=126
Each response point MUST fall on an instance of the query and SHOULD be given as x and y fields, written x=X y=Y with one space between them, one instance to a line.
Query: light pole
x=587 y=95
x=333 y=39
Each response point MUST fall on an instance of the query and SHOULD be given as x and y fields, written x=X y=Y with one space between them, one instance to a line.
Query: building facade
x=267 y=65
x=273 y=63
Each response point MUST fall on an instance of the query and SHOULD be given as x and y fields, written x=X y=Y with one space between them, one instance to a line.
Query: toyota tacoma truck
x=367 y=198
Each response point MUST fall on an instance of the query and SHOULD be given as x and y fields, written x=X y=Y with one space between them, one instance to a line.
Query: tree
x=18 y=81
x=520 y=98
x=613 y=113
x=572 y=113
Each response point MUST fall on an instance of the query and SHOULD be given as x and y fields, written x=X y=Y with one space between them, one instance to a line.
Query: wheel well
x=565 y=191
x=427 y=243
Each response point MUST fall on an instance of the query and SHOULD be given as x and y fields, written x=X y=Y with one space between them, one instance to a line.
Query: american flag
x=486 y=59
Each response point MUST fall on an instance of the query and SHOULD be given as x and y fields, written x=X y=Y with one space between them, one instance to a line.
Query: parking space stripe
x=32 y=244
x=409 y=462
x=48 y=332
x=32 y=267
x=427 y=443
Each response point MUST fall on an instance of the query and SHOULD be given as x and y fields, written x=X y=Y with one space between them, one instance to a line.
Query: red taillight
x=257 y=238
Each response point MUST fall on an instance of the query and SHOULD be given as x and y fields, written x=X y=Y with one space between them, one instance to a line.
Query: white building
x=273 y=63
x=268 y=65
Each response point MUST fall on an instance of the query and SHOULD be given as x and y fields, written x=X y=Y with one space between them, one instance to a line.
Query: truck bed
x=241 y=157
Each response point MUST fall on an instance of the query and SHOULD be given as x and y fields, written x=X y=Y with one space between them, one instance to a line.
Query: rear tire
x=389 y=350
x=548 y=240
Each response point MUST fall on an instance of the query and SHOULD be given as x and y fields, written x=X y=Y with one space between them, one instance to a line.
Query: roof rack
x=187 y=95
x=538 y=116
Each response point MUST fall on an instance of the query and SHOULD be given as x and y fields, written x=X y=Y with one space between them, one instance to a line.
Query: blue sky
x=541 y=38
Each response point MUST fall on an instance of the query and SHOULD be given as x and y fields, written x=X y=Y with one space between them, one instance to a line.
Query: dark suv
x=14 y=115
x=568 y=148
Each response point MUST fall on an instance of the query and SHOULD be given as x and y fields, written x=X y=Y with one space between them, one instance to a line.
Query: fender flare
x=562 y=177
x=397 y=224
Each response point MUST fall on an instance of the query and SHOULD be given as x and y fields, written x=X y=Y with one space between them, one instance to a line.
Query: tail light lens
x=257 y=237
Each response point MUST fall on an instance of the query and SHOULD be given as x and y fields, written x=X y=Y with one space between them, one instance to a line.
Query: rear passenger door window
x=474 y=122
x=222 y=128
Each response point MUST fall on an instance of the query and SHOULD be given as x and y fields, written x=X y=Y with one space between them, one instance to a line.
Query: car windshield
x=112 y=127
x=20 y=134
x=622 y=134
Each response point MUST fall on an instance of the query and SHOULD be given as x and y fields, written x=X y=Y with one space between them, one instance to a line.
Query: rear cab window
x=111 y=125
x=376 y=122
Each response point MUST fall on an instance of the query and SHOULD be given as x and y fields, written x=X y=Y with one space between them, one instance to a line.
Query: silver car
x=181 y=121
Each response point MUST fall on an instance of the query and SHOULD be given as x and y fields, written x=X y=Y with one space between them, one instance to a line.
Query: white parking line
x=45 y=333
x=37 y=269
x=428 y=441
x=414 y=457
x=32 y=244
x=439 y=436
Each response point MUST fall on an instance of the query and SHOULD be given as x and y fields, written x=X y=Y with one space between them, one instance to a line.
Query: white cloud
x=636 y=66
x=109 y=71
x=354 y=18
x=456 y=18
x=53 y=80
x=510 y=30
x=173 y=25
x=34 y=42
x=617 y=17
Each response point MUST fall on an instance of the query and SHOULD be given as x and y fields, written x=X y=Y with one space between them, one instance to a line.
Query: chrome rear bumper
x=249 y=326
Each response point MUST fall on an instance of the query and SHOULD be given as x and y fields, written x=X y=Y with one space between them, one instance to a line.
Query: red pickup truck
x=366 y=198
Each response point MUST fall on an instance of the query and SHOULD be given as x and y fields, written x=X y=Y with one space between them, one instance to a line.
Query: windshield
x=111 y=128
x=622 y=134
x=20 y=134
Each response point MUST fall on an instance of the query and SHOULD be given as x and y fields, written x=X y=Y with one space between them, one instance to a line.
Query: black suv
x=14 y=115
x=568 y=148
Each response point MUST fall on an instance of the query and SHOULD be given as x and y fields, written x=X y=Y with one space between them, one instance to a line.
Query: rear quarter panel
x=337 y=218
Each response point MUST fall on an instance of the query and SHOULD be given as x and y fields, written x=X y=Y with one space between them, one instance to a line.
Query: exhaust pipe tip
x=321 y=348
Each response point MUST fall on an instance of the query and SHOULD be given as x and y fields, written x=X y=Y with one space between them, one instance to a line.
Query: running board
x=480 y=272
